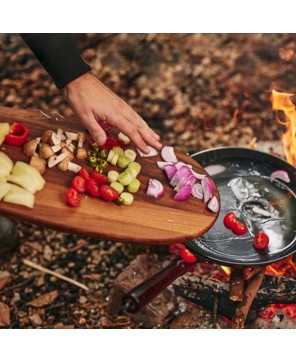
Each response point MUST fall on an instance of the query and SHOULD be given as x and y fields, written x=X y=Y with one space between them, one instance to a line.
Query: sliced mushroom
x=59 y=134
x=29 y=148
x=72 y=136
x=63 y=165
x=74 y=167
x=45 y=151
x=39 y=164
x=71 y=147
x=45 y=136
x=56 y=148
x=53 y=140
x=81 y=153
x=81 y=139
x=68 y=152
x=54 y=160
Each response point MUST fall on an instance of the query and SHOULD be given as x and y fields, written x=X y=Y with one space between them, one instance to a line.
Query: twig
x=215 y=310
x=55 y=274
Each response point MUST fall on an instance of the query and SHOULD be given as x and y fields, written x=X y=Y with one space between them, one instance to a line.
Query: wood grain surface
x=147 y=221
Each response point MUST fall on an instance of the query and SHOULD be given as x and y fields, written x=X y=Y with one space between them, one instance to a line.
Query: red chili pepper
x=18 y=134
x=187 y=256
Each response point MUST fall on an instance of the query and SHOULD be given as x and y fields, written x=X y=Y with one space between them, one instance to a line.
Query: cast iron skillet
x=242 y=176
x=248 y=171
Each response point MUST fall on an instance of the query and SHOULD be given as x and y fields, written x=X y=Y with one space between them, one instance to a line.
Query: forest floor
x=198 y=91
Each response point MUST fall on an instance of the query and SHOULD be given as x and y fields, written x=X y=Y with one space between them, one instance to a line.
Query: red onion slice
x=168 y=154
x=281 y=175
x=184 y=193
x=213 y=204
x=207 y=187
x=197 y=191
x=198 y=176
x=155 y=188
x=170 y=170
x=161 y=164
x=152 y=152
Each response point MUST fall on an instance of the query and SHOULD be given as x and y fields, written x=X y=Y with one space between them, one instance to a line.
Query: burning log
x=200 y=290
x=236 y=284
x=239 y=318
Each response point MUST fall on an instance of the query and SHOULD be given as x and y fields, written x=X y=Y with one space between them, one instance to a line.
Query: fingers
x=95 y=130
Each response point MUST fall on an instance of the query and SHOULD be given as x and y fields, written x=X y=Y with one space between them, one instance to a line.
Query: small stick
x=251 y=273
x=215 y=310
x=240 y=315
x=236 y=285
x=55 y=274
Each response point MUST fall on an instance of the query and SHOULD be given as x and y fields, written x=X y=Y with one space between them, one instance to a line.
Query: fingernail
x=100 y=140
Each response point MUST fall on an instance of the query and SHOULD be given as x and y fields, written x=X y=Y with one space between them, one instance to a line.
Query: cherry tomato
x=84 y=173
x=79 y=184
x=260 y=241
x=98 y=177
x=187 y=256
x=108 y=193
x=239 y=228
x=230 y=220
x=93 y=188
x=72 y=197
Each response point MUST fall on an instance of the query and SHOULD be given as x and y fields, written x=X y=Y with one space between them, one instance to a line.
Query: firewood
x=236 y=284
x=239 y=318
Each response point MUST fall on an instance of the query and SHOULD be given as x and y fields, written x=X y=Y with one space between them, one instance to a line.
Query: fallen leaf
x=5 y=279
x=36 y=319
x=4 y=315
x=44 y=299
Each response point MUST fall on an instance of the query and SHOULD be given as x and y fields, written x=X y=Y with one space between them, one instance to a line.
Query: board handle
x=146 y=291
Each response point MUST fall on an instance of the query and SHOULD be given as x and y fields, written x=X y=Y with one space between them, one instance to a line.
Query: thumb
x=97 y=132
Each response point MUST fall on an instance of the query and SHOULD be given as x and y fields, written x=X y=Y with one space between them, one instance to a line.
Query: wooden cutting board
x=147 y=221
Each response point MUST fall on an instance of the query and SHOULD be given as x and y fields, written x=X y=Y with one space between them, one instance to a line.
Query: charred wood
x=203 y=291
x=236 y=284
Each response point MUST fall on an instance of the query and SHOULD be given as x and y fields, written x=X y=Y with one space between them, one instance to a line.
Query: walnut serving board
x=147 y=221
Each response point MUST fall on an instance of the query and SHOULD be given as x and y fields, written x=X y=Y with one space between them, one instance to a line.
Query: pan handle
x=146 y=291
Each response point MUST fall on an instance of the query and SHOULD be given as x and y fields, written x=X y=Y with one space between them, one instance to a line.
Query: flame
x=226 y=269
x=282 y=102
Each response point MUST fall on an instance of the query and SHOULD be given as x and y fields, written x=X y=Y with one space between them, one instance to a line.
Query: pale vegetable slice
x=123 y=138
x=123 y=161
x=6 y=164
x=117 y=186
x=113 y=175
x=136 y=166
x=131 y=154
x=125 y=178
x=118 y=150
x=134 y=186
x=19 y=196
x=128 y=198
x=114 y=159
x=26 y=176
x=3 y=179
x=4 y=130
x=4 y=188
x=110 y=155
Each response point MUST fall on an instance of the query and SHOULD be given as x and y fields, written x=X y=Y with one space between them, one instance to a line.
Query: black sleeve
x=59 y=56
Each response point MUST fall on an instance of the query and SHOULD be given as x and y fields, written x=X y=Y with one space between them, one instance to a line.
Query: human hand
x=93 y=103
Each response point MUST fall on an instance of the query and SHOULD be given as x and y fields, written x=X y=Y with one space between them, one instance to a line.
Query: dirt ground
x=197 y=90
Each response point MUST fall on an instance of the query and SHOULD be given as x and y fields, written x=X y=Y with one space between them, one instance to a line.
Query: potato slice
x=19 y=196
x=4 y=188
x=6 y=164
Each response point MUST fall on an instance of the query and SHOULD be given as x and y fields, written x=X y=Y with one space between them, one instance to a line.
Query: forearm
x=59 y=56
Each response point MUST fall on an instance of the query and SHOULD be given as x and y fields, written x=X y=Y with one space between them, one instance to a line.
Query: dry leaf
x=44 y=299
x=4 y=315
x=5 y=279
